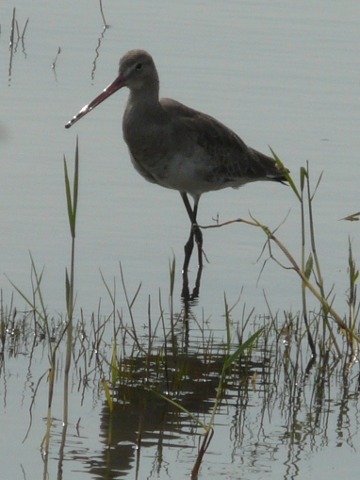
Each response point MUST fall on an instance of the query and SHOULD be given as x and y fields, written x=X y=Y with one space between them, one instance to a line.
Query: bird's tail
x=274 y=169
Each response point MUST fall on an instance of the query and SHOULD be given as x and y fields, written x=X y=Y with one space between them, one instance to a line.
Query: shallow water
x=279 y=74
x=279 y=415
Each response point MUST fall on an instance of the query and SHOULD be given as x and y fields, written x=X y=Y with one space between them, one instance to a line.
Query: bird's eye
x=139 y=66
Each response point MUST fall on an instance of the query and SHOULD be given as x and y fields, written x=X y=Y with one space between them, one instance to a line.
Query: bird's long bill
x=118 y=83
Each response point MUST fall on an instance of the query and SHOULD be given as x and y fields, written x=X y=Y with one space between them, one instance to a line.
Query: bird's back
x=181 y=148
x=227 y=160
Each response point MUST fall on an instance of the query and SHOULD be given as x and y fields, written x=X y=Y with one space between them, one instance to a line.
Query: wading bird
x=177 y=147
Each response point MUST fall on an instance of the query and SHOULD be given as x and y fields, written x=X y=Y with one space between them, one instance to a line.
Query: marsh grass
x=175 y=377
x=309 y=266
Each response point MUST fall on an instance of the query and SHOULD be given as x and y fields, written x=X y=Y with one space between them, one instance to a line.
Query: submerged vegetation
x=176 y=377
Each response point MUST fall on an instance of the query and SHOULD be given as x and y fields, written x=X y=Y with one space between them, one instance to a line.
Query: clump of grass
x=38 y=309
x=308 y=268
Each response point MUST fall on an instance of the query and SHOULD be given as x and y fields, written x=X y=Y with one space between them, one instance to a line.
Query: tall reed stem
x=72 y=198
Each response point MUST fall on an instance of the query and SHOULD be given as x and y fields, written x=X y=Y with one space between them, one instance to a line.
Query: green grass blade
x=27 y=300
x=180 y=407
x=108 y=395
x=286 y=174
x=240 y=350
x=76 y=184
x=354 y=217
x=68 y=197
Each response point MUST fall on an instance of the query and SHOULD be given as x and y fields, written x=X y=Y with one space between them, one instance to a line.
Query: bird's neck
x=144 y=120
x=143 y=107
x=144 y=98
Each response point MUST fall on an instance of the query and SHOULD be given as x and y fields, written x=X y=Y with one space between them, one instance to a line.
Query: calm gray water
x=278 y=73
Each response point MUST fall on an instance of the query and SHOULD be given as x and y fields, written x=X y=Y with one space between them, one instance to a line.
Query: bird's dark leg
x=194 y=232
x=197 y=233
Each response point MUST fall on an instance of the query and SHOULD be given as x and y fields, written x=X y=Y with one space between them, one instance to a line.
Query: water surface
x=279 y=74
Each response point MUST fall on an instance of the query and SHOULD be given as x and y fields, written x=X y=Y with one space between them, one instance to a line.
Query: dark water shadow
x=141 y=419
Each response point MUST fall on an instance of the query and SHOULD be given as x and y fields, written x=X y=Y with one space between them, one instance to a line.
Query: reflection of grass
x=168 y=380
x=228 y=361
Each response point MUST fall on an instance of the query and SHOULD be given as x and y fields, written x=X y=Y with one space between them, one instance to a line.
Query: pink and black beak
x=118 y=83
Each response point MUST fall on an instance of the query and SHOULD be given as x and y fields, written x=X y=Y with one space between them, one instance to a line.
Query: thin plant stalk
x=353 y=277
x=72 y=199
x=103 y=16
x=306 y=266
x=308 y=284
x=130 y=305
x=315 y=263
